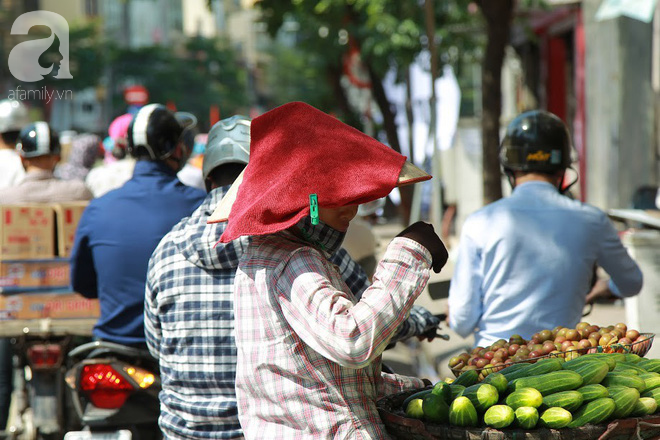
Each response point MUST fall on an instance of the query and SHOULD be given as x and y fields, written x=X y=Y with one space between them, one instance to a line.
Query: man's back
x=42 y=187
x=115 y=238
x=190 y=326
x=526 y=263
x=11 y=168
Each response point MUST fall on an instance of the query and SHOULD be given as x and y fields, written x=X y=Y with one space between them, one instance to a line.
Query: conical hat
x=297 y=150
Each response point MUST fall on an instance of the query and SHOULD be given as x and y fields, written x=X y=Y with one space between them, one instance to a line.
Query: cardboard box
x=26 y=275
x=67 y=216
x=47 y=305
x=27 y=231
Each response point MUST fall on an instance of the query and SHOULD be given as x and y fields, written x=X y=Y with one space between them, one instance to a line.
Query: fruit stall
x=587 y=382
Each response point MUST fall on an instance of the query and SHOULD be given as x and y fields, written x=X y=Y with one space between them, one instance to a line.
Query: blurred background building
x=595 y=63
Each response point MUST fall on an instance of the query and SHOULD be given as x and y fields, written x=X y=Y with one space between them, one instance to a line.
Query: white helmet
x=13 y=115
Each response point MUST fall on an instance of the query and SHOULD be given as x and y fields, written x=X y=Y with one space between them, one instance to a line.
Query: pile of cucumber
x=551 y=393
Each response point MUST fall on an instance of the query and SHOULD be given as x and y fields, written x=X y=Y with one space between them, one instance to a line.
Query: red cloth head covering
x=297 y=150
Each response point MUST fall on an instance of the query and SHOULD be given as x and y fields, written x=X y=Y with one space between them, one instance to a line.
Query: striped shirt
x=309 y=353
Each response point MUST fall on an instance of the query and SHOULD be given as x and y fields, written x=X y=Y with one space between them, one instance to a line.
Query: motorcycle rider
x=39 y=149
x=525 y=263
x=191 y=330
x=13 y=117
x=118 y=232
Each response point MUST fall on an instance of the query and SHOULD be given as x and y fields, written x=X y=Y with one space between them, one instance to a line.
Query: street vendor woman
x=309 y=353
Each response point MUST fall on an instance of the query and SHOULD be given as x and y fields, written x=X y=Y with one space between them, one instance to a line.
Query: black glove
x=424 y=234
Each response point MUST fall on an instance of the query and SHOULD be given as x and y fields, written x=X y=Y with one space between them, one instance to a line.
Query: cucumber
x=550 y=383
x=627 y=368
x=573 y=363
x=512 y=369
x=593 y=392
x=652 y=365
x=629 y=380
x=463 y=413
x=633 y=358
x=456 y=390
x=593 y=412
x=540 y=367
x=625 y=400
x=556 y=418
x=435 y=409
x=654 y=393
x=524 y=397
x=569 y=400
x=417 y=395
x=414 y=409
x=652 y=381
x=482 y=396
x=526 y=417
x=443 y=390
x=498 y=380
x=645 y=406
x=592 y=372
x=467 y=378
x=499 y=416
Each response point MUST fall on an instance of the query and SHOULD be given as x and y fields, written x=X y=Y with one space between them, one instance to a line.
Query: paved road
x=429 y=359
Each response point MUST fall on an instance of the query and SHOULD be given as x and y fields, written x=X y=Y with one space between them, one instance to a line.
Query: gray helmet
x=228 y=142
x=13 y=115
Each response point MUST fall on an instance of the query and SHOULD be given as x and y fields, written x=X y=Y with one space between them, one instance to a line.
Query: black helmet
x=37 y=139
x=536 y=141
x=153 y=133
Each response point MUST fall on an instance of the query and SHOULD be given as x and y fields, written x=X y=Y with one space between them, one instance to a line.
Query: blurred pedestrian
x=526 y=262
x=13 y=117
x=85 y=150
x=118 y=166
x=39 y=148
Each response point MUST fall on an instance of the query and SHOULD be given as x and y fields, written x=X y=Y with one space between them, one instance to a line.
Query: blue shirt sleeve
x=83 y=273
x=465 y=306
x=626 y=278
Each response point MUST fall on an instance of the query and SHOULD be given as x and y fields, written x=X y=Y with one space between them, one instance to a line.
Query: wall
x=619 y=108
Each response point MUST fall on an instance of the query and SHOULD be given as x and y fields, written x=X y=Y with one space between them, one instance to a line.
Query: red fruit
x=632 y=335
x=548 y=346
x=513 y=348
x=572 y=335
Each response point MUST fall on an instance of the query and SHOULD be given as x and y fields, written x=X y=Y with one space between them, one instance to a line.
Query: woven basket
x=401 y=427
x=639 y=348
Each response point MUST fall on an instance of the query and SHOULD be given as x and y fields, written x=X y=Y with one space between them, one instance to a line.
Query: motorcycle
x=114 y=389
x=38 y=408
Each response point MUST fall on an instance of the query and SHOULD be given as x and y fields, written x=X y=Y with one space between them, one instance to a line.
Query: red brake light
x=44 y=356
x=104 y=386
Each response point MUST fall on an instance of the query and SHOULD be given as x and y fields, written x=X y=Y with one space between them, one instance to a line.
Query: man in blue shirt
x=526 y=263
x=118 y=231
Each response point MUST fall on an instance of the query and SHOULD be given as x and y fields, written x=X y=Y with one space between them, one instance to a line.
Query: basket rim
x=582 y=351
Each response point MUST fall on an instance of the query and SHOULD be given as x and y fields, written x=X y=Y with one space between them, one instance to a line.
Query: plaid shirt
x=189 y=324
x=309 y=354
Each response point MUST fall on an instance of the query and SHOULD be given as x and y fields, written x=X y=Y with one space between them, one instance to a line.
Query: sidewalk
x=430 y=359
